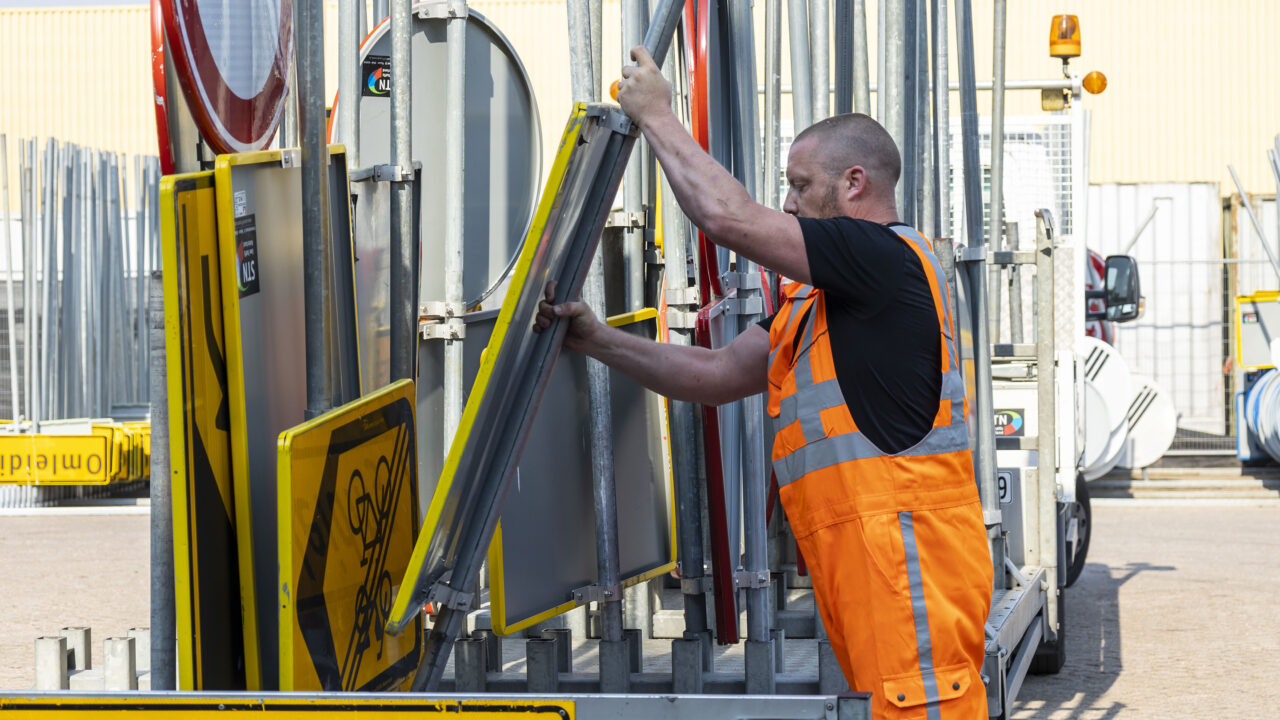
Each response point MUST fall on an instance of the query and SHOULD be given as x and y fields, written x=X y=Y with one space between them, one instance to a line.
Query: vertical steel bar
x=403 y=339
x=604 y=499
x=745 y=95
x=1045 y=520
x=910 y=96
x=1015 y=287
x=941 y=121
x=597 y=47
x=455 y=139
x=47 y=274
x=881 y=48
x=289 y=117
x=309 y=32
x=163 y=605
x=12 y=339
x=820 y=42
x=633 y=28
x=971 y=168
x=893 y=86
x=844 y=56
x=28 y=272
x=772 y=104
x=140 y=274
x=995 y=233
x=861 y=71
x=349 y=14
x=801 y=67
x=926 y=207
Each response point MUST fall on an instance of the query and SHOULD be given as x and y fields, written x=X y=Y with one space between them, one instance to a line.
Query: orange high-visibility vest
x=895 y=542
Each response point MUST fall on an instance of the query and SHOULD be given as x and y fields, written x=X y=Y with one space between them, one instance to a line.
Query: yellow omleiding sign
x=54 y=460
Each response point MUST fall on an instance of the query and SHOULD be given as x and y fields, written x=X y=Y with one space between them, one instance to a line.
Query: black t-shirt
x=885 y=339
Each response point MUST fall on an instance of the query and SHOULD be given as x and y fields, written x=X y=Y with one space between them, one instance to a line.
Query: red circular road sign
x=232 y=59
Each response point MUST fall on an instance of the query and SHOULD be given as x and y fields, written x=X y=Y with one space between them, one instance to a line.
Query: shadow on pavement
x=1094 y=650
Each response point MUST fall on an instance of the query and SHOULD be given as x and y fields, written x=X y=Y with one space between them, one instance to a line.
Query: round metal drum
x=502 y=155
x=232 y=57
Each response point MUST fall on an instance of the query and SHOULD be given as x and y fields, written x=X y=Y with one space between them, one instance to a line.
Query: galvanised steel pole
x=455 y=183
x=597 y=48
x=820 y=41
x=349 y=15
x=861 y=72
x=941 y=121
x=844 y=56
x=910 y=95
x=289 y=117
x=603 y=495
x=633 y=28
x=926 y=205
x=772 y=103
x=403 y=340
x=28 y=281
x=163 y=604
x=893 y=86
x=995 y=233
x=309 y=32
x=14 y=406
x=801 y=66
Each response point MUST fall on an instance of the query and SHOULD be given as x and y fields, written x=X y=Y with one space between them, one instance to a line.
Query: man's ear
x=855 y=182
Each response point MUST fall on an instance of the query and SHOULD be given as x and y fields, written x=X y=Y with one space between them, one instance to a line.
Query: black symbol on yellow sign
x=360 y=537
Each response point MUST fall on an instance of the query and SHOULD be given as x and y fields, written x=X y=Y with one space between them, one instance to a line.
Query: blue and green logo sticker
x=1010 y=423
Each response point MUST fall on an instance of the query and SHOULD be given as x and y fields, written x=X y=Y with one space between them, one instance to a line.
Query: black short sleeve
x=856 y=261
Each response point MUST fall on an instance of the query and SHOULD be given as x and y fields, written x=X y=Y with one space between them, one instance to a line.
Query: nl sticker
x=246 y=255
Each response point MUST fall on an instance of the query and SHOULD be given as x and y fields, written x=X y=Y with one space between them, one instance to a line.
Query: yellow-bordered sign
x=211 y=630
x=55 y=460
x=348 y=516
x=214 y=707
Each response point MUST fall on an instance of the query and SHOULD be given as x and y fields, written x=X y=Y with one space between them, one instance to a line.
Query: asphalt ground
x=1175 y=615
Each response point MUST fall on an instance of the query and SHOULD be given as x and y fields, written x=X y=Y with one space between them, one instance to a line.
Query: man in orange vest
x=871 y=449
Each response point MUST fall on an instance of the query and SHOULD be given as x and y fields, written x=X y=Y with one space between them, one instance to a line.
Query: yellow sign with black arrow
x=348 y=518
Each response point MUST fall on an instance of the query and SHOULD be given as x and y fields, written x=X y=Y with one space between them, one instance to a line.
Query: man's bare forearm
x=710 y=196
x=691 y=374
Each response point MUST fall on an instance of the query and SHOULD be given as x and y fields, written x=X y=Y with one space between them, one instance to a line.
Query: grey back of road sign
x=260 y=220
x=502 y=156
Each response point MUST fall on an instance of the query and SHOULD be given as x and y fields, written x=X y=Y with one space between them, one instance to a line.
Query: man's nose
x=789 y=205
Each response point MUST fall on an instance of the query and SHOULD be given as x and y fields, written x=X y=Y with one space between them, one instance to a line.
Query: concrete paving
x=1174 y=617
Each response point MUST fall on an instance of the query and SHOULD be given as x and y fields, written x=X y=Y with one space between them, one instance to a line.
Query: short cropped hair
x=856 y=139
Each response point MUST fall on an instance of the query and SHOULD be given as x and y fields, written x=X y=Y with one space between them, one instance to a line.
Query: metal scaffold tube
x=455 y=169
x=926 y=188
x=819 y=40
x=909 y=144
x=844 y=56
x=403 y=341
x=772 y=100
x=801 y=68
x=315 y=203
x=861 y=72
x=893 y=85
x=604 y=498
x=349 y=15
x=941 y=121
x=14 y=406
x=633 y=186
x=996 y=231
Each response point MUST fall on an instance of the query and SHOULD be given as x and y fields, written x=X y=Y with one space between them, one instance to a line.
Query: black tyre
x=1051 y=656
x=1078 y=551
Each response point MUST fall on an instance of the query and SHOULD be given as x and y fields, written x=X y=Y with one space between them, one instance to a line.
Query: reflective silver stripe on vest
x=810 y=400
x=920 y=613
x=796 y=303
x=831 y=451
x=810 y=423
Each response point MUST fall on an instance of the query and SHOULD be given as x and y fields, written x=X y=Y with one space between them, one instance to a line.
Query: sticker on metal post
x=348 y=518
x=376 y=70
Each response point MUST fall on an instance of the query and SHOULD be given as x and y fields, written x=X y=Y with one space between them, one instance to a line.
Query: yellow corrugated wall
x=1192 y=84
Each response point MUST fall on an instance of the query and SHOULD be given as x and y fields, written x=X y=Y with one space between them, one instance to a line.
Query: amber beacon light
x=1064 y=37
x=1095 y=82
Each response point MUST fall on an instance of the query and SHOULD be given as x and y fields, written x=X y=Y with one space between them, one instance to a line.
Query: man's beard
x=829 y=207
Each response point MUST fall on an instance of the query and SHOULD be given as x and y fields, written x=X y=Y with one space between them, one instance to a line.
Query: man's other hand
x=582 y=322
x=643 y=91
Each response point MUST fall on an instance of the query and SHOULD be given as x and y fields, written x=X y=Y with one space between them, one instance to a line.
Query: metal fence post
x=163 y=608
x=801 y=67
x=14 y=406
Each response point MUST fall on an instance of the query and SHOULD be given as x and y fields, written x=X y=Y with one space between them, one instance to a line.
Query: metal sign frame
x=279 y=399
x=210 y=628
x=348 y=502
x=228 y=121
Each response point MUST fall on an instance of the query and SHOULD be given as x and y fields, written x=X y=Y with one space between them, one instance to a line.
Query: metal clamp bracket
x=687 y=295
x=696 y=586
x=967 y=254
x=442 y=330
x=291 y=158
x=740 y=281
x=681 y=320
x=445 y=595
x=440 y=310
x=1013 y=257
x=595 y=593
x=612 y=118
x=747 y=579
x=438 y=10
x=391 y=173
x=624 y=219
x=744 y=306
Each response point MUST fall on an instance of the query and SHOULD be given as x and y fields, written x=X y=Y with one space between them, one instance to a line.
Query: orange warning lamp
x=613 y=89
x=1095 y=82
x=1064 y=37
